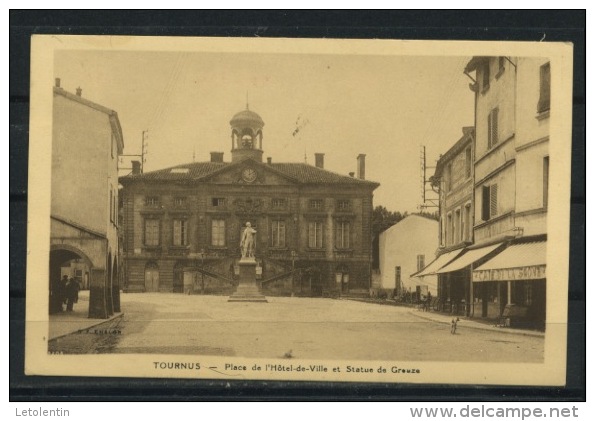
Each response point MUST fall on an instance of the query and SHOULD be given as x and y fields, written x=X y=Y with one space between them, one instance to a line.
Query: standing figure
x=247 y=244
x=72 y=293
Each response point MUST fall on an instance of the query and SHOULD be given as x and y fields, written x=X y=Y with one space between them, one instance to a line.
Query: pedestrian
x=72 y=293
x=56 y=298
x=429 y=301
x=63 y=290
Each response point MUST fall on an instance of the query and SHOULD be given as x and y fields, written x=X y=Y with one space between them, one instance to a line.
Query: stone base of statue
x=247 y=290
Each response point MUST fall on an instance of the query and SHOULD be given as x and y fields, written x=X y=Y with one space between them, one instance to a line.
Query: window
x=218 y=201
x=315 y=235
x=468 y=222
x=546 y=175
x=486 y=77
x=457 y=236
x=468 y=162
x=493 y=128
x=278 y=234
x=421 y=261
x=448 y=230
x=151 y=200
x=316 y=204
x=448 y=177
x=489 y=202
x=152 y=227
x=342 y=237
x=397 y=276
x=179 y=201
x=343 y=205
x=180 y=232
x=278 y=203
x=544 y=88
x=218 y=232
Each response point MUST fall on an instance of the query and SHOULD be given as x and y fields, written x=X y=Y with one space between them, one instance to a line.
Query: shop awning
x=468 y=258
x=440 y=261
x=519 y=262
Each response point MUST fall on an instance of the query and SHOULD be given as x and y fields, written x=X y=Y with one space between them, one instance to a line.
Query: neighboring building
x=511 y=188
x=500 y=178
x=454 y=180
x=182 y=224
x=86 y=142
x=405 y=248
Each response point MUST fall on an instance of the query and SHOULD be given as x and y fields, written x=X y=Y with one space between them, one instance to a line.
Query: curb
x=474 y=325
x=99 y=322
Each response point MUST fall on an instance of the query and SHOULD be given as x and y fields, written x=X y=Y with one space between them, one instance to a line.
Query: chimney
x=361 y=166
x=319 y=160
x=57 y=82
x=351 y=174
x=79 y=91
x=135 y=167
x=269 y=160
x=216 y=156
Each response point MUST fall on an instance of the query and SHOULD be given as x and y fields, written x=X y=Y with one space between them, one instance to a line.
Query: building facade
x=182 y=224
x=493 y=187
x=404 y=249
x=511 y=188
x=86 y=142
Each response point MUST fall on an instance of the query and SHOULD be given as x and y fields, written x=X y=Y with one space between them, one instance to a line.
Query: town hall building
x=182 y=224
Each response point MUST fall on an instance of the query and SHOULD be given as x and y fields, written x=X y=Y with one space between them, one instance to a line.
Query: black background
x=568 y=26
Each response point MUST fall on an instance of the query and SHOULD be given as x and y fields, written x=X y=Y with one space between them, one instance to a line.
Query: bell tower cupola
x=246 y=136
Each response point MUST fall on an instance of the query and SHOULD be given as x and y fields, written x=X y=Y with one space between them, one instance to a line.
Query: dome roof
x=246 y=117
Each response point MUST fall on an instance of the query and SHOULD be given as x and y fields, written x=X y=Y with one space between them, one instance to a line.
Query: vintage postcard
x=299 y=209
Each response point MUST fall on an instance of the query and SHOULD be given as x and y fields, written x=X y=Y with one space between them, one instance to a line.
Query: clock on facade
x=249 y=175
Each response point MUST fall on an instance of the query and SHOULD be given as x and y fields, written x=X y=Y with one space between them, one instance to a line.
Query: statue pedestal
x=247 y=289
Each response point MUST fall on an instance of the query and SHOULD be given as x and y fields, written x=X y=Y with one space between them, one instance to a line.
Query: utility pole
x=144 y=145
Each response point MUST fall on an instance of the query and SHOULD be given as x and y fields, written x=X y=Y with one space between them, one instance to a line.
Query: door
x=151 y=280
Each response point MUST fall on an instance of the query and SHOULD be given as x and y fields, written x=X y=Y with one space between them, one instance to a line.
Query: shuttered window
x=342 y=237
x=180 y=233
x=152 y=232
x=218 y=232
x=493 y=128
x=489 y=202
x=544 y=88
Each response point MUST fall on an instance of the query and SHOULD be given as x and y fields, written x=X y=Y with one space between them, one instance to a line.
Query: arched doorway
x=61 y=256
x=151 y=277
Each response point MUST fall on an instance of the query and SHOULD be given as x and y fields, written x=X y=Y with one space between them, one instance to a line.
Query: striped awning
x=518 y=262
x=439 y=262
x=468 y=258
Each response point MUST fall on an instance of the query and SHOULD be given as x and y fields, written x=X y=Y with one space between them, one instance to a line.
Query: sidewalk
x=466 y=323
x=65 y=323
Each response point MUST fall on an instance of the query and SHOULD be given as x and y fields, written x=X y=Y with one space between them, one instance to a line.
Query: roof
x=467 y=138
x=301 y=173
x=475 y=62
x=113 y=116
x=246 y=116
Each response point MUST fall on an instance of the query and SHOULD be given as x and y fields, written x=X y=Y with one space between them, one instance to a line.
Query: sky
x=384 y=106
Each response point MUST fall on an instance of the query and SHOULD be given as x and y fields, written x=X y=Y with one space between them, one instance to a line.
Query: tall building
x=182 y=224
x=86 y=141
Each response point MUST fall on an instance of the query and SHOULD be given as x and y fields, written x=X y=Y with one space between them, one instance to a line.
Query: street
x=308 y=328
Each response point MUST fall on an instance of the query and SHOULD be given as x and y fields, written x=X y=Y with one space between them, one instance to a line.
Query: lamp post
x=293 y=256
x=202 y=274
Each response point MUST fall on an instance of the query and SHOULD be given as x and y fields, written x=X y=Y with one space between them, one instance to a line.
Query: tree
x=383 y=219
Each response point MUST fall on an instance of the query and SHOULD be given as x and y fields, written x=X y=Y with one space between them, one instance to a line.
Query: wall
x=401 y=244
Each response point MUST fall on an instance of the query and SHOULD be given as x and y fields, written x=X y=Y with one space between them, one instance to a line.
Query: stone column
x=97 y=298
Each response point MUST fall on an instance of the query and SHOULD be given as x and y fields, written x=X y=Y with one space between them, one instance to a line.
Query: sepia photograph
x=299 y=209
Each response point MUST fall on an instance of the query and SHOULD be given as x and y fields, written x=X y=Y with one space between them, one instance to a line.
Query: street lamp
x=293 y=256
x=202 y=273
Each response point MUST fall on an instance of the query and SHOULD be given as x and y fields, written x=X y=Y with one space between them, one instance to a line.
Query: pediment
x=249 y=172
